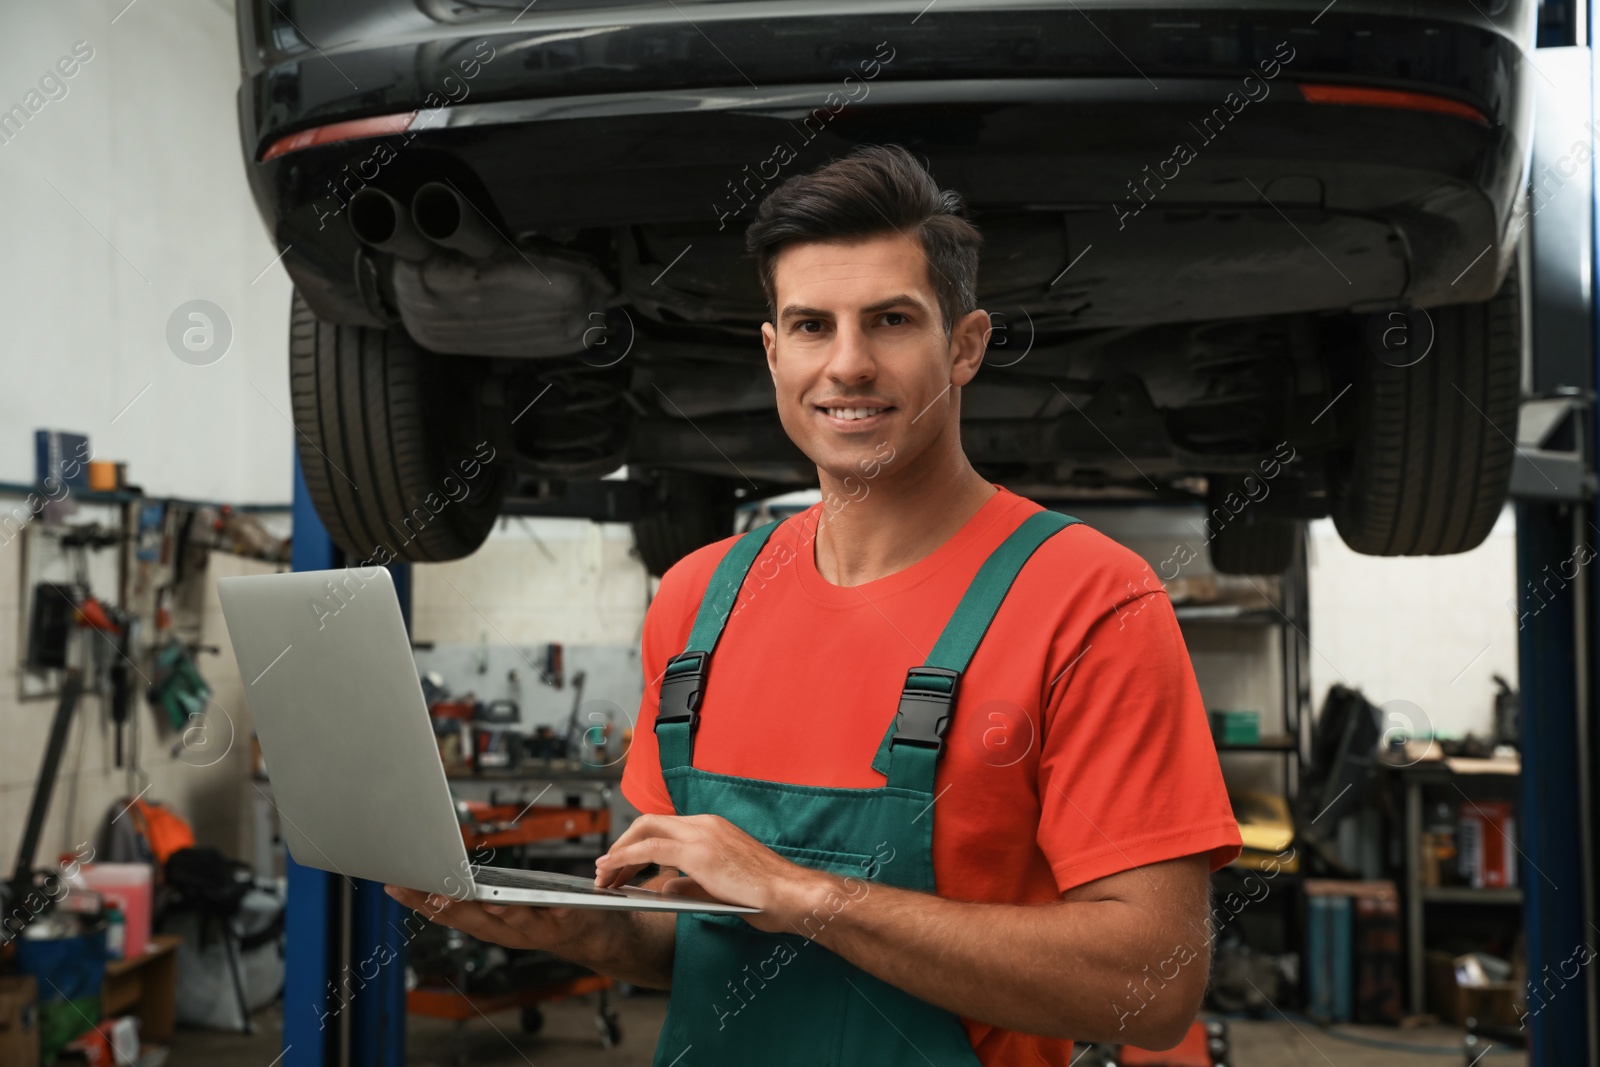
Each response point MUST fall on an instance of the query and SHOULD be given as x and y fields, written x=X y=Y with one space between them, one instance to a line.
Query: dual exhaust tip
x=439 y=217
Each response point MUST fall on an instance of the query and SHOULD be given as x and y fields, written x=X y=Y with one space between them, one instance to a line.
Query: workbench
x=147 y=985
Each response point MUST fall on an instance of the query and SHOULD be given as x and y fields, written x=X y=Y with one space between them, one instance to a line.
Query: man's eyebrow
x=794 y=311
x=897 y=300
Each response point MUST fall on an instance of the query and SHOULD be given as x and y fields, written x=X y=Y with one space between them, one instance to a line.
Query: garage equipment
x=48 y=642
x=23 y=875
x=494 y=744
x=496 y=826
x=119 y=629
x=176 y=686
x=68 y=958
x=1553 y=485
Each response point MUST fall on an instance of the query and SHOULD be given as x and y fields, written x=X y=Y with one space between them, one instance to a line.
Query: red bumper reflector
x=378 y=126
x=1393 y=98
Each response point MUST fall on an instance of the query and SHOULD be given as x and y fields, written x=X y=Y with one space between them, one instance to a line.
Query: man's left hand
x=716 y=861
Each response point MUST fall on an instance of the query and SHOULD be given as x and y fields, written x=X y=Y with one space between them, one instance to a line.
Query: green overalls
x=744 y=996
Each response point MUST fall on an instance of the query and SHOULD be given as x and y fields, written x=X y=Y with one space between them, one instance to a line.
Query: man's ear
x=769 y=341
x=969 y=338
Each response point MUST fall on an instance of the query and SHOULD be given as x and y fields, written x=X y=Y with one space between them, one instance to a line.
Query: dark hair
x=875 y=190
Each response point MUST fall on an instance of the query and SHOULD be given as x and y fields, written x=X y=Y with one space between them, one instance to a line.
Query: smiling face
x=860 y=357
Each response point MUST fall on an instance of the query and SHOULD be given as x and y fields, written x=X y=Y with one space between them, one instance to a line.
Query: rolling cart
x=497 y=826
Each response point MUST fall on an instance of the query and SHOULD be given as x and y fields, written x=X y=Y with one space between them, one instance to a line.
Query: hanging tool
x=493 y=744
x=177 y=687
x=553 y=666
x=573 y=736
x=118 y=628
x=24 y=880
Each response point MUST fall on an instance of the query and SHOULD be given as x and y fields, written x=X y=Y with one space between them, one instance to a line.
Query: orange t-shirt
x=1079 y=746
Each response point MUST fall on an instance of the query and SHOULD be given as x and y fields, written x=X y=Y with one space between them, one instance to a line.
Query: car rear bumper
x=368 y=57
x=1045 y=126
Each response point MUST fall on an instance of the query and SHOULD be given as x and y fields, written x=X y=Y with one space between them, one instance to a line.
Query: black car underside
x=1179 y=276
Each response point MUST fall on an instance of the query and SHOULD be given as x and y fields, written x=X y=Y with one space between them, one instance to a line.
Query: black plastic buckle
x=924 y=715
x=681 y=691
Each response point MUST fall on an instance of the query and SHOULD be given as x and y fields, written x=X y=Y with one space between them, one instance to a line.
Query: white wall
x=124 y=199
x=1431 y=631
x=535 y=581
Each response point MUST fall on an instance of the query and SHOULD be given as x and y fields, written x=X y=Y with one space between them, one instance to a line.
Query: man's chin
x=856 y=464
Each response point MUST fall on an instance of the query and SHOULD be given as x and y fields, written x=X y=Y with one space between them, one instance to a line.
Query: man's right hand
x=633 y=946
x=564 y=931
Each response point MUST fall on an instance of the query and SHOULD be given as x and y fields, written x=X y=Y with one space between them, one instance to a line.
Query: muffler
x=445 y=217
x=539 y=303
x=381 y=222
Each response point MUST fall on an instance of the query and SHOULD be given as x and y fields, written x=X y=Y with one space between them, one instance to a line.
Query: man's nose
x=850 y=359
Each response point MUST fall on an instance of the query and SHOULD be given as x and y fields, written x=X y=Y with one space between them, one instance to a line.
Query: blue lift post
x=345 y=953
x=1558 y=562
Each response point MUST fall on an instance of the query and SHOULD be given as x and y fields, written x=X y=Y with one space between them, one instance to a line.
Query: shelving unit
x=1289 y=615
x=1276 y=622
x=1268 y=743
x=1454 y=894
x=1415 y=779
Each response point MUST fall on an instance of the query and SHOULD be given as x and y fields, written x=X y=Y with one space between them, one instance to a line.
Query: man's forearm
x=1085 y=970
x=1121 y=957
x=636 y=946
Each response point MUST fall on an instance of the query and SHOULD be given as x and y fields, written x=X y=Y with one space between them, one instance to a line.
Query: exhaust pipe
x=381 y=222
x=443 y=216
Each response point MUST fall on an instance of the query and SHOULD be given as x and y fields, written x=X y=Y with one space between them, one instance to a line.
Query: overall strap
x=910 y=752
x=684 y=680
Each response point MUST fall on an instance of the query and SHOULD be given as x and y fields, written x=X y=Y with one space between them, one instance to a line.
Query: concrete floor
x=571 y=1039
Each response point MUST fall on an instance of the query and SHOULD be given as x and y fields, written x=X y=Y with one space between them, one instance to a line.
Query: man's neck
x=873 y=527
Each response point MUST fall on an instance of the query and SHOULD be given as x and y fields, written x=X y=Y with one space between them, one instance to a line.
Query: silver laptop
x=356 y=774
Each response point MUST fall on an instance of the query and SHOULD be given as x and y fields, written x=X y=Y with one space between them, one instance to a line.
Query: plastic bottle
x=116 y=932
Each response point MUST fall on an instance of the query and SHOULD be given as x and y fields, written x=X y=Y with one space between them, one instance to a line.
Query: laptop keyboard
x=507 y=878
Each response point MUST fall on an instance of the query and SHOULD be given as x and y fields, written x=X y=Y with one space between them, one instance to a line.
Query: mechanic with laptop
x=947 y=741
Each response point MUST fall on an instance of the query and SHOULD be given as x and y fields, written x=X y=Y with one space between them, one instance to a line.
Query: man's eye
x=895 y=318
x=809 y=326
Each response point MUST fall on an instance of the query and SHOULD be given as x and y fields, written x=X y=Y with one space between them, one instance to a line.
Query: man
x=950 y=744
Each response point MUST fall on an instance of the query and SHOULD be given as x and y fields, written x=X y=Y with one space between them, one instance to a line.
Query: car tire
x=692 y=510
x=1431 y=465
x=391 y=442
x=1254 y=544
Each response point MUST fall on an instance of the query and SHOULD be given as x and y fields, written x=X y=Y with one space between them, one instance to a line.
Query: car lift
x=344 y=993
x=345 y=998
x=337 y=1013
x=1553 y=486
